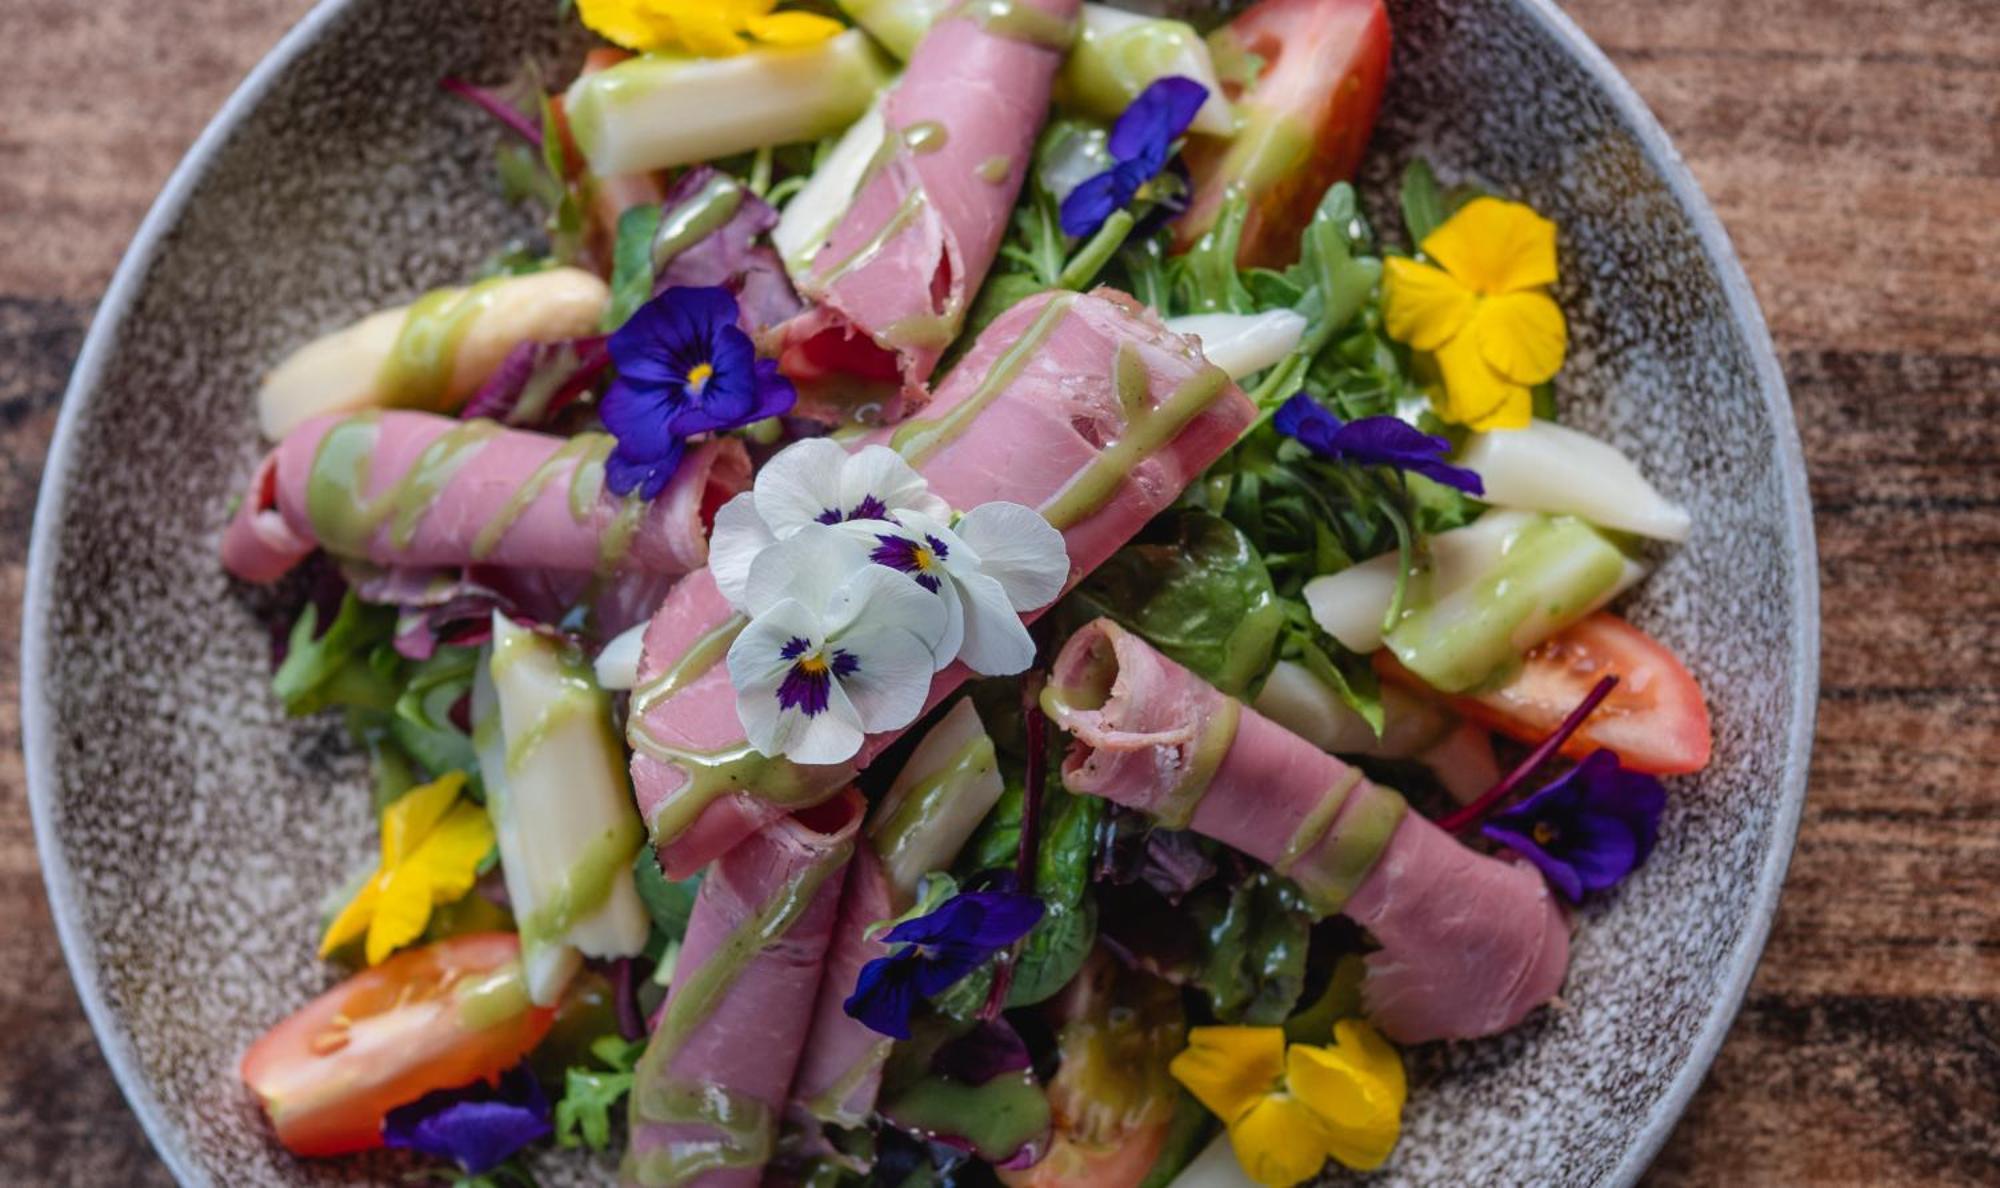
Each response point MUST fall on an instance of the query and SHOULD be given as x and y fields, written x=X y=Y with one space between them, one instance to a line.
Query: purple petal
x=624 y=473
x=1553 y=868
x=1097 y=199
x=638 y=415
x=1601 y=849
x=478 y=1126
x=884 y=994
x=1155 y=119
x=1386 y=441
x=991 y=920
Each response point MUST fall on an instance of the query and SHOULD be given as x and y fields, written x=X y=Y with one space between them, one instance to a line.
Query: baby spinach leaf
x=1255 y=935
x=668 y=902
x=632 y=264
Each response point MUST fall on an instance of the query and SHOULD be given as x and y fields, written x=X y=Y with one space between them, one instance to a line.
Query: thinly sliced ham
x=1470 y=944
x=1034 y=414
x=412 y=489
x=891 y=285
x=710 y=1090
x=841 y=1069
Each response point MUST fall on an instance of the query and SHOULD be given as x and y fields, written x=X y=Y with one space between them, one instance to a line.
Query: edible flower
x=706 y=28
x=837 y=648
x=1141 y=142
x=433 y=843
x=939 y=950
x=1290 y=1109
x=1373 y=441
x=1483 y=310
x=1001 y=560
x=1589 y=828
x=684 y=367
x=478 y=1126
x=815 y=481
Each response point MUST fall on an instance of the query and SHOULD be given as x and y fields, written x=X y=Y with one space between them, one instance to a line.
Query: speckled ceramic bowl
x=188 y=830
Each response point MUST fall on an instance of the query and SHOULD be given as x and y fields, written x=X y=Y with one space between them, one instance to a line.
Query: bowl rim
x=126 y=283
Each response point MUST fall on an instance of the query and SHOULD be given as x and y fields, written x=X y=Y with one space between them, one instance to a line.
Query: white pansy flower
x=837 y=648
x=816 y=481
x=1000 y=560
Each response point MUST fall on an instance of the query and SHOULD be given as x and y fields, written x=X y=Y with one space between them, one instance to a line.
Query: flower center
x=1545 y=833
x=808 y=686
x=698 y=377
x=921 y=559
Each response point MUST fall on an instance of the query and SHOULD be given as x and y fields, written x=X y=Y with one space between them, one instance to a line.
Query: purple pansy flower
x=1141 y=142
x=478 y=1126
x=684 y=367
x=919 y=556
x=1373 y=441
x=939 y=950
x=1589 y=828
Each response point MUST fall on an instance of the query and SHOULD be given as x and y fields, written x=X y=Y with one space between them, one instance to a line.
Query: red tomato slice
x=438 y=1017
x=1655 y=721
x=1307 y=119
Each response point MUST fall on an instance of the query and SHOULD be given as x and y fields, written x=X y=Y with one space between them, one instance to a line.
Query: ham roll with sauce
x=891 y=285
x=1080 y=405
x=1470 y=944
x=412 y=489
x=708 y=1093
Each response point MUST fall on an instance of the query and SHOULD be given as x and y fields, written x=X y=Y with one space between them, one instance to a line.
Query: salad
x=961 y=614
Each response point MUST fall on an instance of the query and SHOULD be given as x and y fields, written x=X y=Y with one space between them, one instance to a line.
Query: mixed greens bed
x=1399 y=558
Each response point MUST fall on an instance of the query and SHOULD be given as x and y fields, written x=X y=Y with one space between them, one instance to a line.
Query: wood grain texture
x=1852 y=148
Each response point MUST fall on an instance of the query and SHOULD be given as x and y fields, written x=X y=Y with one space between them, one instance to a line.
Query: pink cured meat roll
x=708 y=1093
x=1081 y=405
x=891 y=286
x=411 y=489
x=841 y=1070
x=1470 y=944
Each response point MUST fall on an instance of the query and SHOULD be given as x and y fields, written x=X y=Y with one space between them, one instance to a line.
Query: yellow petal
x=1228 y=1069
x=1279 y=1142
x=631 y=24
x=1493 y=247
x=449 y=858
x=1356 y=1088
x=1423 y=306
x=402 y=909
x=1477 y=396
x=406 y=822
x=793 y=28
x=353 y=919
x=710 y=29
x=1522 y=336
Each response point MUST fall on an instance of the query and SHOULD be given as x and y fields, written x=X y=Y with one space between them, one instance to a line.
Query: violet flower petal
x=478 y=1126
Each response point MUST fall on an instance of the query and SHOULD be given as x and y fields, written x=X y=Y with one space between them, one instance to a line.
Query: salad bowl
x=188 y=829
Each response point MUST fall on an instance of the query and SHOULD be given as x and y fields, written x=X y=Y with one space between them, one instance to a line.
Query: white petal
x=881 y=472
x=810 y=565
x=756 y=659
x=879 y=597
x=799 y=483
x=893 y=679
x=1020 y=550
x=996 y=642
x=740 y=534
x=870 y=534
x=831 y=736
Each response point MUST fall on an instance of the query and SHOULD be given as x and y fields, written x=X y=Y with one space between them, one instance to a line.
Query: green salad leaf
x=348 y=664
x=668 y=902
x=591 y=1092
x=632 y=264
x=1254 y=936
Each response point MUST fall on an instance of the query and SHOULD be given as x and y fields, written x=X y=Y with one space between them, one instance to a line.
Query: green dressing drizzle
x=701 y=215
x=1098 y=482
x=1019 y=21
x=744 y=1132
x=417 y=372
x=1317 y=822
x=906 y=213
x=705 y=653
x=994 y=170
x=918 y=439
x=926 y=137
x=908 y=822
x=579 y=450
x=1339 y=868
x=345 y=518
x=1177 y=808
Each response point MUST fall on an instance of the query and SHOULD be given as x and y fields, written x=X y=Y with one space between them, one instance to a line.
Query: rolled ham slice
x=891 y=286
x=841 y=1069
x=709 y=1091
x=1081 y=405
x=411 y=489
x=1470 y=943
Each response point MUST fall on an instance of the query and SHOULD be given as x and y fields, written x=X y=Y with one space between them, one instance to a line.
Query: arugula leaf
x=345 y=665
x=583 y=1116
x=1422 y=201
x=632 y=264
x=1202 y=595
x=1206 y=279
x=669 y=903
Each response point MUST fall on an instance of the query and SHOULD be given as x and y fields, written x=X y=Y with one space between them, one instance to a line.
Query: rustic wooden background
x=1852 y=148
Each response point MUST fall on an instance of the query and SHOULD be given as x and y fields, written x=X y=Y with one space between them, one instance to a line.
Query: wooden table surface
x=1852 y=148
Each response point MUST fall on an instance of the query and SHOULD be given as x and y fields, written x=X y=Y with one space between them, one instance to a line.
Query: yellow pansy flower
x=1290 y=1109
x=1482 y=310
x=706 y=28
x=432 y=845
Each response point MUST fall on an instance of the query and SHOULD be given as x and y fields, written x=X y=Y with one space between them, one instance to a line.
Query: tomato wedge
x=1655 y=721
x=445 y=1015
x=1306 y=119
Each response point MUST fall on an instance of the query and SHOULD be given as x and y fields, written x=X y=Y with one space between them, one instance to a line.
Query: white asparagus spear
x=1552 y=468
